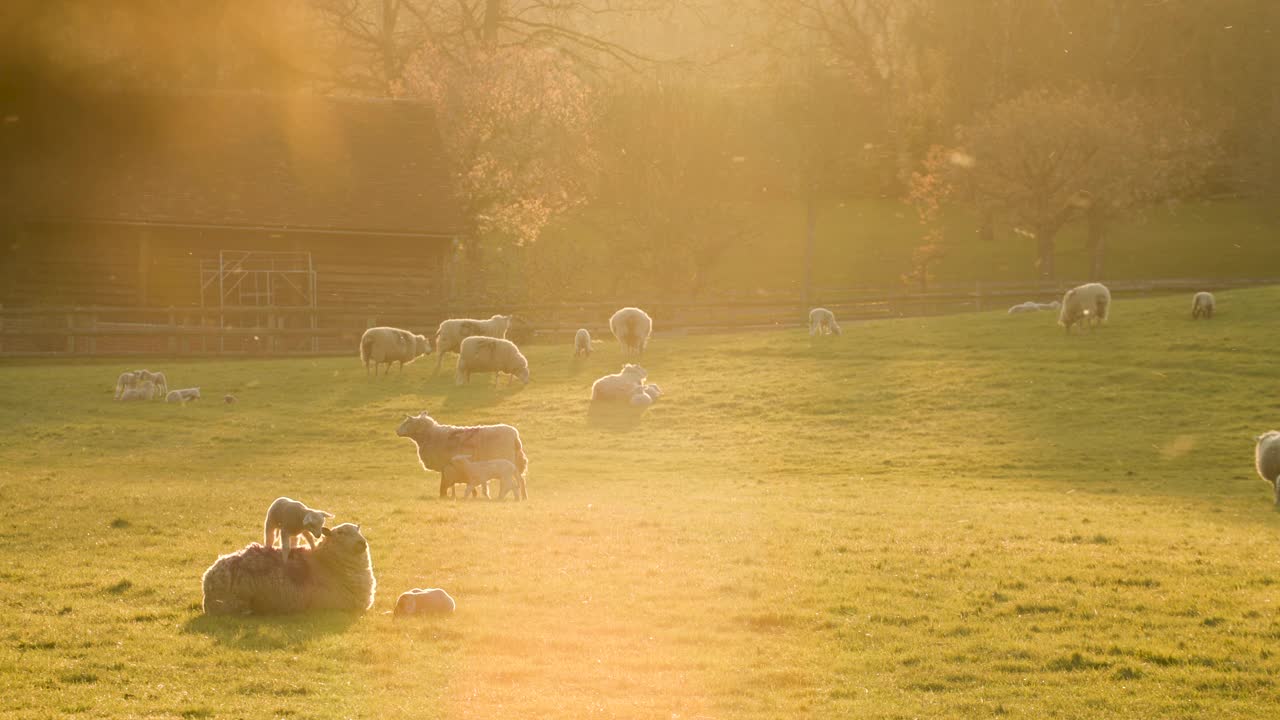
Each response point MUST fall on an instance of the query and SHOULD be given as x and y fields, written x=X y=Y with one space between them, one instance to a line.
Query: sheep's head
x=408 y=603
x=635 y=371
x=415 y=425
x=1267 y=436
x=522 y=374
x=346 y=539
x=422 y=346
x=313 y=521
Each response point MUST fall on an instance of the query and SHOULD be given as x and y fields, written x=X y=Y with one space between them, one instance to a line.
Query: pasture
x=970 y=516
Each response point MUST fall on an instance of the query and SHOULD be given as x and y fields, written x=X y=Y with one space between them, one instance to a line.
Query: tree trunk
x=1044 y=254
x=811 y=224
x=492 y=15
x=1095 y=243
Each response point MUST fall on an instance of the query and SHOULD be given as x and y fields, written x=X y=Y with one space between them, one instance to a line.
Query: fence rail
x=62 y=331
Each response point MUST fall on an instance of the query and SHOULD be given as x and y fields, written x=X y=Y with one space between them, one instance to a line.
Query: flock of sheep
x=336 y=572
x=147 y=385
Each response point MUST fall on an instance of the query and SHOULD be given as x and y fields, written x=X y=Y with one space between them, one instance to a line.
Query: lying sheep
x=337 y=575
x=287 y=519
x=144 y=390
x=621 y=386
x=391 y=345
x=438 y=444
x=1202 y=305
x=582 y=343
x=1031 y=306
x=451 y=333
x=823 y=322
x=431 y=601
x=478 y=473
x=1089 y=304
x=183 y=395
x=632 y=326
x=486 y=354
x=1266 y=458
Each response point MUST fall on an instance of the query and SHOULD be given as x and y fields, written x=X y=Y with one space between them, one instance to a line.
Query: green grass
x=971 y=516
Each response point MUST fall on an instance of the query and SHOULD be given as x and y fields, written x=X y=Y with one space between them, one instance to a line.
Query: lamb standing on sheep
x=144 y=390
x=438 y=444
x=486 y=354
x=632 y=326
x=479 y=473
x=429 y=601
x=391 y=345
x=451 y=333
x=290 y=518
x=183 y=395
x=582 y=343
x=1202 y=305
x=822 y=322
x=337 y=575
x=1266 y=457
x=1089 y=304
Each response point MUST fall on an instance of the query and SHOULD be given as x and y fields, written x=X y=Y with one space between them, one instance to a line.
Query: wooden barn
x=212 y=206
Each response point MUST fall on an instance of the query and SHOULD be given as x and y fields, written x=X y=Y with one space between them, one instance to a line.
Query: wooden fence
x=265 y=331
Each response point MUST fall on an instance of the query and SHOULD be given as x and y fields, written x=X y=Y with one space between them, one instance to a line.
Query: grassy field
x=971 y=516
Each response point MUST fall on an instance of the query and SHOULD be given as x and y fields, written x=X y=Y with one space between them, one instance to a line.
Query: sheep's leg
x=288 y=545
x=311 y=542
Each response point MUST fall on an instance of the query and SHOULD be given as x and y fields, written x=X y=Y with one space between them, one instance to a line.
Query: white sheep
x=438 y=444
x=429 y=601
x=1089 y=304
x=126 y=381
x=391 y=345
x=183 y=395
x=621 y=386
x=486 y=354
x=1266 y=458
x=144 y=390
x=632 y=326
x=1032 y=306
x=288 y=519
x=823 y=322
x=1202 y=305
x=582 y=343
x=478 y=473
x=337 y=575
x=157 y=380
x=451 y=333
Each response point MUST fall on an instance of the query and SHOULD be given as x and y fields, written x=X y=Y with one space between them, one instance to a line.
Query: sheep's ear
x=326 y=532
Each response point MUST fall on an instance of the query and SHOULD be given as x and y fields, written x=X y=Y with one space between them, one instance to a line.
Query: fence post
x=173 y=331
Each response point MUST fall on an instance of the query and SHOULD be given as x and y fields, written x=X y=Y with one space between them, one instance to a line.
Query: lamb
x=582 y=343
x=486 y=354
x=621 y=386
x=1202 y=305
x=391 y=345
x=157 y=380
x=478 y=474
x=451 y=333
x=431 y=601
x=438 y=444
x=632 y=326
x=822 y=322
x=1088 y=304
x=144 y=390
x=290 y=518
x=1267 y=460
x=337 y=575
x=126 y=381
x=1032 y=306
x=183 y=395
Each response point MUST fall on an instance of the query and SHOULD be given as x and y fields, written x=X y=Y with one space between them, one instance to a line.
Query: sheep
x=290 y=518
x=451 y=333
x=145 y=390
x=157 y=380
x=391 y=345
x=1089 y=304
x=438 y=444
x=337 y=575
x=822 y=322
x=582 y=343
x=1032 y=306
x=620 y=386
x=431 y=601
x=1266 y=457
x=126 y=381
x=486 y=354
x=478 y=474
x=183 y=395
x=1202 y=305
x=632 y=326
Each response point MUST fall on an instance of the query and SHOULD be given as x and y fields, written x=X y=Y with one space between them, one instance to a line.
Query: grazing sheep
x=1089 y=304
x=144 y=390
x=438 y=444
x=823 y=322
x=431 y=601
x=1031 y=306
x=479 y=473
x=451 y=333
x=1267 y=461
x=183 y=395
x=632 y=326
x=621 y=386
x=157 y=380
x=391 y=345
x=290 y=518
x=582 y=343
x=1202 y=305
x=337 y=575
x=126 y=381
x=486 y=354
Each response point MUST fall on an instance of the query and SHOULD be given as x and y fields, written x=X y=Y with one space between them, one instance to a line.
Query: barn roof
x=229 y=159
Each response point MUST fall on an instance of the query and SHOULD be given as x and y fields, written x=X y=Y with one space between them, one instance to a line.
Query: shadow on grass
x=269 y=632
x=614 y=418
x=480 y=394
